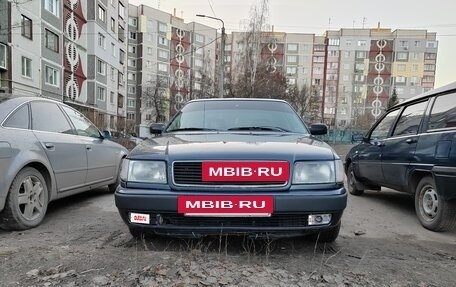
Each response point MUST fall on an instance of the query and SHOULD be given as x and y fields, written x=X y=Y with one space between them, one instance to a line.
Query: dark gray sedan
x=49 y=150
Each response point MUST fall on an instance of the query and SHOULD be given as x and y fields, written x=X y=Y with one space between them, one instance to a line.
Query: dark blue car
x=412 y=148
x=233 y=166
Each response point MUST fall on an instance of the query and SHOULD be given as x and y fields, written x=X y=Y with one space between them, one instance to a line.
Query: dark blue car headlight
x=144 y=171
x=315 y=172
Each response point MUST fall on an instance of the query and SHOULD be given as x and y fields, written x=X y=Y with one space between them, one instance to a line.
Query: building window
x=52 y=76
x=148 y=117
x=131 y=103
x=199 y=51
x=121 y=33
x=291 y=70
x=101 y=94
x=348 y=42
x=2 y=56
x=429 y=67
x=347 y=54
x=403 y=44
x=121 y=10
x=292 y=47
x=401 y=67
x=334 y=53
x=132 y=89
x=318 y=70
x=130 y=116
x=26 y=29
x=148 y=64
x=334 y=42
x=319 y=59
x=52 y=41
x=401 y=80
x=132 y=76
x=121 y=56
x=361 y=54
x=120 y=79
x=162 y=41
x=292 y=59
x=113 y=25
x=162 y=67
x=101 y=14
x=101 y=67
x=162 y=27
x=101 y=40
x=359 y=67
x=417 y=44
x=53 y=6
x=431 y=44
x=131 y=49
x=430 y=56
x=414 y=81
x=362 y=43
x=149 y=51
x=131 y=62
x=402 y=56
x=346 y=66
x=111 y=98
x=198 y=63
x=132 y=35
x=292 y=81
x=132 y=21
x=113 y=49
x=199 y=38
x=415 y=56
x=26 y=67
x=163 y=54
x=113 y=74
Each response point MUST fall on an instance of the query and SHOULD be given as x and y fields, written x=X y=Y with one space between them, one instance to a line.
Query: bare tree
x=155 y=100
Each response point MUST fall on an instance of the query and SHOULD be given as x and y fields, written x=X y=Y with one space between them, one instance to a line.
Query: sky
x=303 y=16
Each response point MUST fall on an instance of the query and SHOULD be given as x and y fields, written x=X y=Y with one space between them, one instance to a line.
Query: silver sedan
x=49 y=150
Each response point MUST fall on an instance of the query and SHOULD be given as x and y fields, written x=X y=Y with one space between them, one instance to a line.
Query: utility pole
x=222 y=54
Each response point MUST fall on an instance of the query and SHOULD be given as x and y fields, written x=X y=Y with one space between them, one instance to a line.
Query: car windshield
x=242 y=115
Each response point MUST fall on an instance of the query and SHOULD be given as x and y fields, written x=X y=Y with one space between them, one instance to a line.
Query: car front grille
x=282 y=220
x=187 y=173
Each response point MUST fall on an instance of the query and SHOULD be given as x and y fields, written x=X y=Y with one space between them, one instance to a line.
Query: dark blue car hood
x=233 y=146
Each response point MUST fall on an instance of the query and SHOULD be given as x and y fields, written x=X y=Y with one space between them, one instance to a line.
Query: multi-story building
x=69 y=51
x=170 y=63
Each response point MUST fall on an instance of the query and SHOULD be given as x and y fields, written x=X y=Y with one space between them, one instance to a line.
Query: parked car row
x=49 y=150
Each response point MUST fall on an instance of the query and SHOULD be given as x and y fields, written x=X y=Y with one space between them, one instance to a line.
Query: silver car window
x=19 y=119
x=82 y=125
x=48 y=117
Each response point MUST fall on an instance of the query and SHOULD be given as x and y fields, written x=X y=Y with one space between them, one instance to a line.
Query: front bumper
x=289 y=218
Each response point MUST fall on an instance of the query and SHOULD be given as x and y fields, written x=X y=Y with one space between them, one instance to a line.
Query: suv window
x=19 y=120
x=410 y=119
x=443 y=114
x=384 y=126
x=49 y=118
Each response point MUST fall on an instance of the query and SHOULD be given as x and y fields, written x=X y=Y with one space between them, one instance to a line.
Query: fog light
x=159 y=218
x=319 y=219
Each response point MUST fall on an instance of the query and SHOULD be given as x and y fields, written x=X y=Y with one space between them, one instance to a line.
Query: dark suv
x=412 y=148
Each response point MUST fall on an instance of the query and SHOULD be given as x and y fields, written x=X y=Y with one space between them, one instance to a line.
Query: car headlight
x=143 y=171
x=312 y=172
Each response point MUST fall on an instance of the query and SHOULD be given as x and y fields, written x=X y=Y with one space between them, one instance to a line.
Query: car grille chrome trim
x=189 y=173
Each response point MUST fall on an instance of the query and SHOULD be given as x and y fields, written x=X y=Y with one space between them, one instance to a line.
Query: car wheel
x=27 y=201
x=433 y=212
x=137 y=232
x=328 y=236
x=351 y=182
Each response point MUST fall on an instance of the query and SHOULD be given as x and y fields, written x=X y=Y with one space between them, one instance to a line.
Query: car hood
x=233 y=146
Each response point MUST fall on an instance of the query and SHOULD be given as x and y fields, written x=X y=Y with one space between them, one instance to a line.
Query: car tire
x=137 y=233
x=351 y=182
x=27 y=201
x=433 y=212
x=326 y=236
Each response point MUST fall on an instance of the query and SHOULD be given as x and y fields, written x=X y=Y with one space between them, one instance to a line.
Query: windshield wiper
x=259 y=128
x=191 y=129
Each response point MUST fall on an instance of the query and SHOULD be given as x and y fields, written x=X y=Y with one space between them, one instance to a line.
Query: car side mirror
x=106 y=135
x=157 y=129
x=318 y=129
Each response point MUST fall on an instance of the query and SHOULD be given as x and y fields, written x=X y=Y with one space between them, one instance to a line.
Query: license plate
x=241 y=171
x=221 y=205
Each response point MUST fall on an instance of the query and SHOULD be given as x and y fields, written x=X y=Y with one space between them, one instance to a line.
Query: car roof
x=443 y=89
x=237 y=99
x=13 y=101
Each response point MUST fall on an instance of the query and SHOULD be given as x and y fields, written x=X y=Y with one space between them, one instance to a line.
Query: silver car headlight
x=143 y=171
x=313 y=172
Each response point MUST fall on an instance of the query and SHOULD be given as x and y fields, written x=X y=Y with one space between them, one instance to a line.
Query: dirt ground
x=83 y=242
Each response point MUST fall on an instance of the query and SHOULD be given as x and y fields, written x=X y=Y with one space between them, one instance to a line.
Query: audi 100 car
x=233 y=166
x=48 y=150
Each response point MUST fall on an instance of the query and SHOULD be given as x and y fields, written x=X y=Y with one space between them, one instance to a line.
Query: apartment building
x=167 y=59
x=70 y=51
